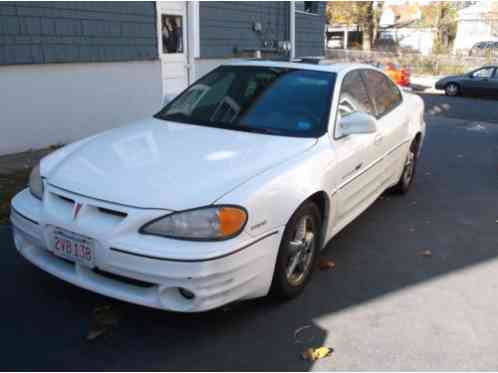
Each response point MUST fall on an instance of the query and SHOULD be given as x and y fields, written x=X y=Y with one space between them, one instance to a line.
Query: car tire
x=298 y=252
x=452 y=89
x=406 y=179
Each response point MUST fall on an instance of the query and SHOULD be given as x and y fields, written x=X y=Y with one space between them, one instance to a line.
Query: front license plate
x=74 y=247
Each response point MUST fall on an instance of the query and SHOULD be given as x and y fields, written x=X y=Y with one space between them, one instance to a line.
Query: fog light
x=186 y=293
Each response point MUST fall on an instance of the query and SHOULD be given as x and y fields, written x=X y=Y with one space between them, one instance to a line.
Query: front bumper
x=142 y=269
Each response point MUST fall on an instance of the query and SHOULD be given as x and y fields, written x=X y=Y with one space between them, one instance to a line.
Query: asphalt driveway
x=415 y=287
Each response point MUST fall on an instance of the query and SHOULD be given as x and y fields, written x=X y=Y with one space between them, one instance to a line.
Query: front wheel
x=298 y=252
x=452 y=89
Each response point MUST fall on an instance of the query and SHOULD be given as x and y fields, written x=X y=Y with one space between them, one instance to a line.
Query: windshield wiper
x=237 y=127
x=242 y=127
x=174 y=116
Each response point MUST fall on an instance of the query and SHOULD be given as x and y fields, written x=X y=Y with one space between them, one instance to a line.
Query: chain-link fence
x=441 y=64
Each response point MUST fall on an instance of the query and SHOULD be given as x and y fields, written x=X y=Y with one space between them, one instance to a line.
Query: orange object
x=400 y=76
x=231 y=220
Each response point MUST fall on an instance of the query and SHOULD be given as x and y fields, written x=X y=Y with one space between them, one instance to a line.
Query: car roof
x=329 y=67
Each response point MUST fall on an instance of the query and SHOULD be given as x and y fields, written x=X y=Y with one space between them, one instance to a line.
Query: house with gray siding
x=72 y=69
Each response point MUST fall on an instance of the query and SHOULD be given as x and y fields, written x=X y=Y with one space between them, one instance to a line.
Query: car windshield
x=269 y=100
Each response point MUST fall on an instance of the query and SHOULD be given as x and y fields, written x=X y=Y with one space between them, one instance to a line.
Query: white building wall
x=472 y=26
x=204 y=65
x=420 y=39
x=42 y=105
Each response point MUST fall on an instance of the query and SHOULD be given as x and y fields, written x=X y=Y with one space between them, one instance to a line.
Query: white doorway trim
x=193 y=29
x=178 y=69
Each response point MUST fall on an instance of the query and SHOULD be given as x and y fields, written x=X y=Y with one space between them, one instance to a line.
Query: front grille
x=95 y=213
x=113 y=212
x=126 y=280
x=68 y=200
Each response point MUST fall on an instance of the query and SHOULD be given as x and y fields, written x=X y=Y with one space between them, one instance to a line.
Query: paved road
x=382 y=307
x=466 y=108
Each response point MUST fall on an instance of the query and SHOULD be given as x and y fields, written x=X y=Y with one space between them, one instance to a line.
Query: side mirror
x=356 y=123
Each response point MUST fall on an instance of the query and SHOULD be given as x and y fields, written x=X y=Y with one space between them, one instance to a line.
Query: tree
x=492 y=18
x=442 y=16
x=364 y=14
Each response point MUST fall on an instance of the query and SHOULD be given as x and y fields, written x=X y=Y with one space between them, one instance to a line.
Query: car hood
x=160 y=164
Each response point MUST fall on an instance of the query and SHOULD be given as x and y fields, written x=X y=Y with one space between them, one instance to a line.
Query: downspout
x=292 y=30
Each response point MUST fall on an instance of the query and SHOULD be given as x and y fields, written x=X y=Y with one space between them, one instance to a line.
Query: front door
x=478 y=82
x=359 y=156
x=173 y=48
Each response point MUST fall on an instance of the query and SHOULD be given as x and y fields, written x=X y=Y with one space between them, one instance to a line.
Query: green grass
x=10 y=185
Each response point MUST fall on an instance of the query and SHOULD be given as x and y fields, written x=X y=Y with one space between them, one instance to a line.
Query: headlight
x=36 y=183
x=203 y=224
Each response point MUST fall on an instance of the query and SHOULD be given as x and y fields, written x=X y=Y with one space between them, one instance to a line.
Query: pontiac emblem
x=77 y=208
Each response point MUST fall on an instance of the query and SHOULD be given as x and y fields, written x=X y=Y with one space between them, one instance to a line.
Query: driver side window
x=483 y=73
x=354 y=96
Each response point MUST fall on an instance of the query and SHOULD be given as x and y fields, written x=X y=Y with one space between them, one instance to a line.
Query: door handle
x=378 y=139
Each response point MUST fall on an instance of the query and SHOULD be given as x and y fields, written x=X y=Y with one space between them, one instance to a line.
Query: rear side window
x=385 y=94
x=354 y=96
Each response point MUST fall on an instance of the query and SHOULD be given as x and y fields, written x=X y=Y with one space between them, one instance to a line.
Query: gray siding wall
x=310 y=29
x=49 y=32
x=226 y=27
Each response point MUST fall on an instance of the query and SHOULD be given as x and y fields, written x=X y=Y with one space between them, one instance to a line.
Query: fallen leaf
x=426 y=252
x=326 y=264
x=312 y=354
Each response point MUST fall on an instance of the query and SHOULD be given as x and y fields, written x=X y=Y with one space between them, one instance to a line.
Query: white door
x=359 y=156
x=173 y=46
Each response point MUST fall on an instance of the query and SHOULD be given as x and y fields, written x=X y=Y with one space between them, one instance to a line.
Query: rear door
x=392 y=123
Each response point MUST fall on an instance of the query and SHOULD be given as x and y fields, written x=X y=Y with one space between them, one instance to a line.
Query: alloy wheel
x=301 y=250
x=451 y=89
x=409 y=168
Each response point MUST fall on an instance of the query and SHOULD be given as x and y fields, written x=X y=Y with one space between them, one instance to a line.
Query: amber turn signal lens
x=231 y=220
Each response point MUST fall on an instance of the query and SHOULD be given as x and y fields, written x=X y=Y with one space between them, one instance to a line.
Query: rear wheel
x=298 y=252
x=408 y=174
x=452 y=89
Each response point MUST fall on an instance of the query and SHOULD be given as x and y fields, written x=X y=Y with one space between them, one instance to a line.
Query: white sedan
x=229 y=192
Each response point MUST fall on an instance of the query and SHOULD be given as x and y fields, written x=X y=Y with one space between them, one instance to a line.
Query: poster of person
x=172 y=33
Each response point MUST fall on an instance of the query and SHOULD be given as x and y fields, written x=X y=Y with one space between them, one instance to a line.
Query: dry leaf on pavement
x=326 y=264
x=312 y=354
x=426 y=252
